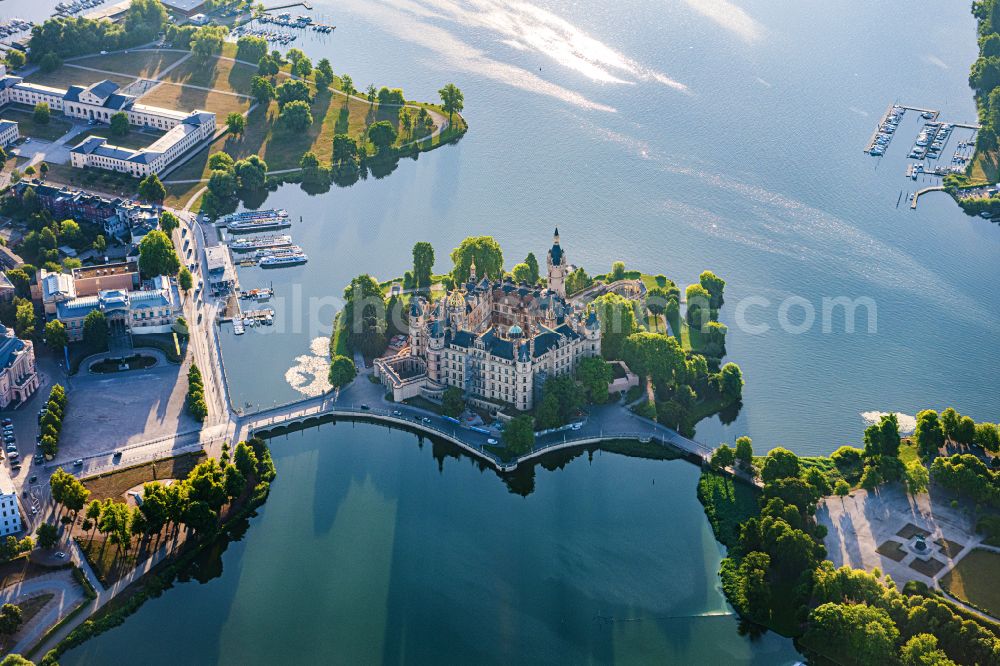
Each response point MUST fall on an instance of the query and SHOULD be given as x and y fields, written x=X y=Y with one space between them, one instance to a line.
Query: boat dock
x=916 y=195
x=302 y=3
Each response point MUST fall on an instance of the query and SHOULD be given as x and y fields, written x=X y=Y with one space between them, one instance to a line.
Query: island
x=538 y=361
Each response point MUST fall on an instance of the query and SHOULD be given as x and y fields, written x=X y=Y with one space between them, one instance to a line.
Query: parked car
x=61 y=555
x=7 y=422
x=425 y=420
x=491 y=441
x=365 y=406
x=78 y=462
x=33 y=478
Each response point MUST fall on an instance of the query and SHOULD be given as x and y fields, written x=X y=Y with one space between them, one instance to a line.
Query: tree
x=723 y=457
x=116 y=522
x=715 y=286
x=928 y=434
x=852 y=633
x=744 y=451
x=236 y=123
x=14 y=59
x=532 y=263
x=347 y=85
x=262 y=89
x=595 y=374
x=382 y=134
x=169 y=222
x=617 y=316
x=917 y=477
x=871 y=478
x=779 y=464
x=653 y=355
x=965 y=433
x=41 y=114
x=713 y=339
x=10 y=618
x=292 y=91
x=48 y=535
x=452 y=402
x=251 y=173
x=371 y=93
x=922 y=649
x=220 y=161
x=251 y=48
x=157 y=255
x=698 y=306
x=342 y=371
x=208 y=40
x=184 y=279
x=21 y=282
x=151 y=189
x=119 y=124
x=24 y=319
x=577 y=281
x=949 y=422
x=486 y=253
x=987 y=435
x=521 y=273
x=345 y=148
x=519 y=434
x=296 y=116
x=55 y=334
x=324 y=74
x=452 y=100
x=222 y=183
x=842 y=488
x=423 y=265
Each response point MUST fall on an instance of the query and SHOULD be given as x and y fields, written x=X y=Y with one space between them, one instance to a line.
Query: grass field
x=145 y=64
x=50 y=131
x=64 y=77
x=186 y=98
x=107 y=561
x=727 y=504
x=114 y=484
x=134 y=139
x=973 y=580
x=984 y=168
x=215 y=73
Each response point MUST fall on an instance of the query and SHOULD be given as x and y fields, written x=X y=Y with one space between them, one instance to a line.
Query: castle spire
x=472 y=270
x=555 y=236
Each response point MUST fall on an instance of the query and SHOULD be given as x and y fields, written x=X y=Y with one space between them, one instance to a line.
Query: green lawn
x=908 y=452
x=145 y=64
x=984 y=168
x=108 y=561
x=134 y=139
x=727 y=504
x=973 y=580
x=49 y=131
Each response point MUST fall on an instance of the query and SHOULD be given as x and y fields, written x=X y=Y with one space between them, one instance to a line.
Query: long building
x=9 y=133
x=98 y=102
x=496 y=340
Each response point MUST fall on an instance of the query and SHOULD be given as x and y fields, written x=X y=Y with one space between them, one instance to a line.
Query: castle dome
x=515 y=331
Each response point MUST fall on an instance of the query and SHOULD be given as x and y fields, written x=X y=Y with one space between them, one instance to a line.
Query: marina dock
x=913 y=203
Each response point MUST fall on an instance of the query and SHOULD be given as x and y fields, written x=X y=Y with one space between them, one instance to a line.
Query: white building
x=9 y=133
x=100 y=101
x=10 y=514
x=152 y=309
x=497 y=341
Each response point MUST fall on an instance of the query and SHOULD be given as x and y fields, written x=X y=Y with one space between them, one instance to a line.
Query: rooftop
x=88 y=272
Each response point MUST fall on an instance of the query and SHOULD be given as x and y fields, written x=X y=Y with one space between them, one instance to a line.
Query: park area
x=24 y=117
x=134 y=138
x=974 y=580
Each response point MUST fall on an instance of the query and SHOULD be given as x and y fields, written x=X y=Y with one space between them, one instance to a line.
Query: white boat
x=238 y=327
x=277 y=261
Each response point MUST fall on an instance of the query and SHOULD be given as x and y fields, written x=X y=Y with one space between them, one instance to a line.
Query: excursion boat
x=260 y=243
x=280 y=260
x=258 y=224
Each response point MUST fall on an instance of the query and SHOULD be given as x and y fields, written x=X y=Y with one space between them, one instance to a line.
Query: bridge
x=364 y=400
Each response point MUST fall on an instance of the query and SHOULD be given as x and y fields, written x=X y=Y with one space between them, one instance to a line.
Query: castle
x=496 y=340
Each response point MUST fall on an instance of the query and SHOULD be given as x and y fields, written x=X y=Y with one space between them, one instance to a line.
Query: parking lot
x=106 y=412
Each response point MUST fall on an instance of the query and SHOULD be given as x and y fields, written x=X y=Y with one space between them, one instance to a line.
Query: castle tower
x=472 y=270
x=556 y=261
x=417 y=330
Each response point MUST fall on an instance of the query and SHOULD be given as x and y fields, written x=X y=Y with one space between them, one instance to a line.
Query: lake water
x=734 y=144
x=372 y=548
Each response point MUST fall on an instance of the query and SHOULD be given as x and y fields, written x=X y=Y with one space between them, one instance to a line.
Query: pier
x=938 y=188
x=302 y=3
